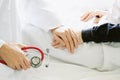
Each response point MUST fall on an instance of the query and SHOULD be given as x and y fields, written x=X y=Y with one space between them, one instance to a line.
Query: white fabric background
x=9 y=21
x=69 y=11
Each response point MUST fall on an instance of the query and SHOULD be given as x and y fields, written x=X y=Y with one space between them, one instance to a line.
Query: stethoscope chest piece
x=34 y=55
x=35 y=62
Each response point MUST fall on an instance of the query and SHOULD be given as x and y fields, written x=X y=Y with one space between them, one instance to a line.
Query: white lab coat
x=9 y=21
x=32 y=12
x=14 y=13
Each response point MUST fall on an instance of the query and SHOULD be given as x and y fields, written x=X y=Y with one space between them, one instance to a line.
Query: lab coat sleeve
x=114 y=14
x=1 y=43
x=34 y=13
x=43 y=19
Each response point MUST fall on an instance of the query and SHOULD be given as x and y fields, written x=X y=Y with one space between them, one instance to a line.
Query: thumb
x=21 y=45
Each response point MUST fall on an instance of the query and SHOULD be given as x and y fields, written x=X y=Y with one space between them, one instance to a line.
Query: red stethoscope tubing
x=25 y=49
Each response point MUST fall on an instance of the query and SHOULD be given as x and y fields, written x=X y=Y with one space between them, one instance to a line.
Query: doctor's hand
x=65 y=38
x=93 y=14
x=14 y=57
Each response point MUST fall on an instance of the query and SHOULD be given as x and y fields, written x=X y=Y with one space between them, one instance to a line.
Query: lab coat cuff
x=1 y=43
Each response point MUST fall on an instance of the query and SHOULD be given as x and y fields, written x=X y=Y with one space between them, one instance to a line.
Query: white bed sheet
x=57 y=71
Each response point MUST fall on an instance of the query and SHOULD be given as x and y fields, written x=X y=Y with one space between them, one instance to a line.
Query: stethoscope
x=35 y=59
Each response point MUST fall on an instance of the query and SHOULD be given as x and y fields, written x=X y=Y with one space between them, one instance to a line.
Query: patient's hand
x=93 y=14
x=65 y=38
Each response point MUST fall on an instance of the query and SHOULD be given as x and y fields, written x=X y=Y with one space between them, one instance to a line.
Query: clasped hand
x=66 y=38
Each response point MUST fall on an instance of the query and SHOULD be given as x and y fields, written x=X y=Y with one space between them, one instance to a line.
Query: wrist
x=5 y=49
x=2 y=50
x=80 y=40
x=1 y=44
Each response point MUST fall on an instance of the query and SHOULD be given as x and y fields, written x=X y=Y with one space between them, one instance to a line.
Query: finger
x=96 y=21
x=18 y=66
x=27 y=63
x=75 y=38
x=78 y=37
x=58 y=46
x=64 y=38
x=58 y=38
x=90 y=16
x=22 y=63
x=71 y=45
x=55 y=43
x=23 y=66
x=14 y=68
x=58 y=43
x=54 y=40
x=84 y=16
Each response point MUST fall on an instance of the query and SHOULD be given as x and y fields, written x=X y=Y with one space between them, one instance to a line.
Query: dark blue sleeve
x=103 y=33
